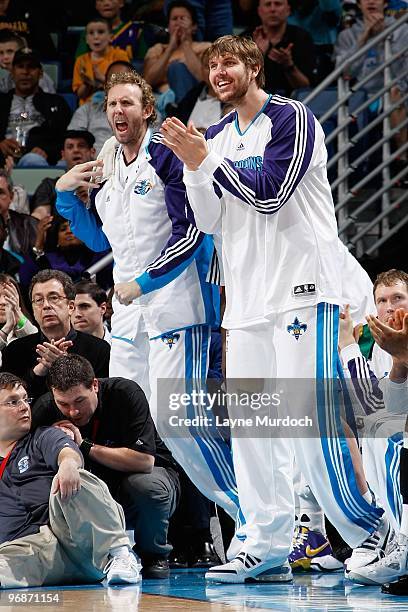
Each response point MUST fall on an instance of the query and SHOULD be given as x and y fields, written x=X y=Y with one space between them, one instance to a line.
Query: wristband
x=21 y=322
x=85 y=447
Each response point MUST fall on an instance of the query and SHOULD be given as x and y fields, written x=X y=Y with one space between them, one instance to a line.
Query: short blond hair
x=245 y=49
x=390 y=278
x=133 y=78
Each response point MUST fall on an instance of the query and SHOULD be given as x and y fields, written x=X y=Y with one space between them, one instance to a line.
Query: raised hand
x=81 y=175
x=187 y=143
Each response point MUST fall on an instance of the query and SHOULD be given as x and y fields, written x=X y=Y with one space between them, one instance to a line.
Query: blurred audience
x=214 y=18
x=10 y=42
x=21 y=228
x=176 y=65
x=52 y=294
x=89 y=310
x=320 y=19
x=9 y=263
x=78 y=148
x=90 y=67
x=372 y=22
x=288 y=50
x=15 y=321
x=57 y=248
x=26 y=19
x=32 y=122
x=129 y=35
x=20 y=201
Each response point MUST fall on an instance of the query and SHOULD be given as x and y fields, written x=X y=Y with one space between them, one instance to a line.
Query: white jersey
x=267 y=190
x=142 y=214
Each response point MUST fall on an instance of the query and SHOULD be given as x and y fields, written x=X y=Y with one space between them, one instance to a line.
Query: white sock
x=368 y=497
x=313 y=519
x=120 y=551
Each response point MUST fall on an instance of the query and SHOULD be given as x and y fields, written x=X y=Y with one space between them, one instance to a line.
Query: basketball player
x=162 y=307
x=259 y=176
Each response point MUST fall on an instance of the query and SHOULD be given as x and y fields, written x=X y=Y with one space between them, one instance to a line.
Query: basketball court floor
x=187 y=590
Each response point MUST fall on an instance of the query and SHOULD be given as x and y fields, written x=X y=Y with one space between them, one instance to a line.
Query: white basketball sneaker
x=389 y=569
x=247 y=568
x=123 y=570
x=371 y=550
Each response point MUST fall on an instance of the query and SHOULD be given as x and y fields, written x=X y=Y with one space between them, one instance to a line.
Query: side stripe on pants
x=333 y=442
x=392 y=471
x=214 y=449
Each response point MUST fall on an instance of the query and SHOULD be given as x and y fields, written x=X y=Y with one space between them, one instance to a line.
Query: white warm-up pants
x=294 y=345
x=181 y=358
x=382 y=441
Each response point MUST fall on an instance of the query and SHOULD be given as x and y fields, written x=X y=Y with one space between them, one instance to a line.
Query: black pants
x=148 y=502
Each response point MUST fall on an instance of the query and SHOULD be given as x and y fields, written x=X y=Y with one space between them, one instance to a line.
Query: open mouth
x=223 y=84
x=121 y=126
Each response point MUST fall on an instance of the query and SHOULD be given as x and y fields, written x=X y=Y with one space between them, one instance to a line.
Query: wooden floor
x=187 y=590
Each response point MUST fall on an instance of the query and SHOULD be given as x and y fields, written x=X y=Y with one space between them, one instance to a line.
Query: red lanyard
x=4 y=462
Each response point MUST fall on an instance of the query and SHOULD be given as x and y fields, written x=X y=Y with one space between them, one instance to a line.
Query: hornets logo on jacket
x=143 y=187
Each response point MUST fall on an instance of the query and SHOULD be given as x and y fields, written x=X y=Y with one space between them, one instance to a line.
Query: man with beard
x=162 y=307
x=259 y=176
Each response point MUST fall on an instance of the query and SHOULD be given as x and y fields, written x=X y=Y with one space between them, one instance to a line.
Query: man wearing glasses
x=52 y=295
x=43 y=493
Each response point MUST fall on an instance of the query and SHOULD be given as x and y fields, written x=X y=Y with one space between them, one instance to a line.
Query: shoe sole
x=319 y=564
x=121 y=580
x=359 y=579
x=266 y=576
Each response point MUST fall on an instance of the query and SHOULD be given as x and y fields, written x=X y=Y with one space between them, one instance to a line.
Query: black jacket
x=48 y=136
x=22 y=231
x=29 y=19
x=20 y=357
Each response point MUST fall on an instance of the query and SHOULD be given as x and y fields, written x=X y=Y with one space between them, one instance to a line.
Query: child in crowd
x=10 y=42
x=90 y=68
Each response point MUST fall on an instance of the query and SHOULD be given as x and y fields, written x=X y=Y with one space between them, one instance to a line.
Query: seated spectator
x=127 y=35
x=90 y=68
x=14 y=319
x=89 y=310
x=350 y=40
x=214 y=18
x=31 y=121
x=10 y=42
x=176 y=65
x=111 y=423
x=57 y=248
x=20 y=202
x=91 y=116
x=52 y=296
x=26 y=19
x=288 y=50
x=320 y=19
x=78 y=147
x=35 y=515
x=9 y=263
x=21 y=228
